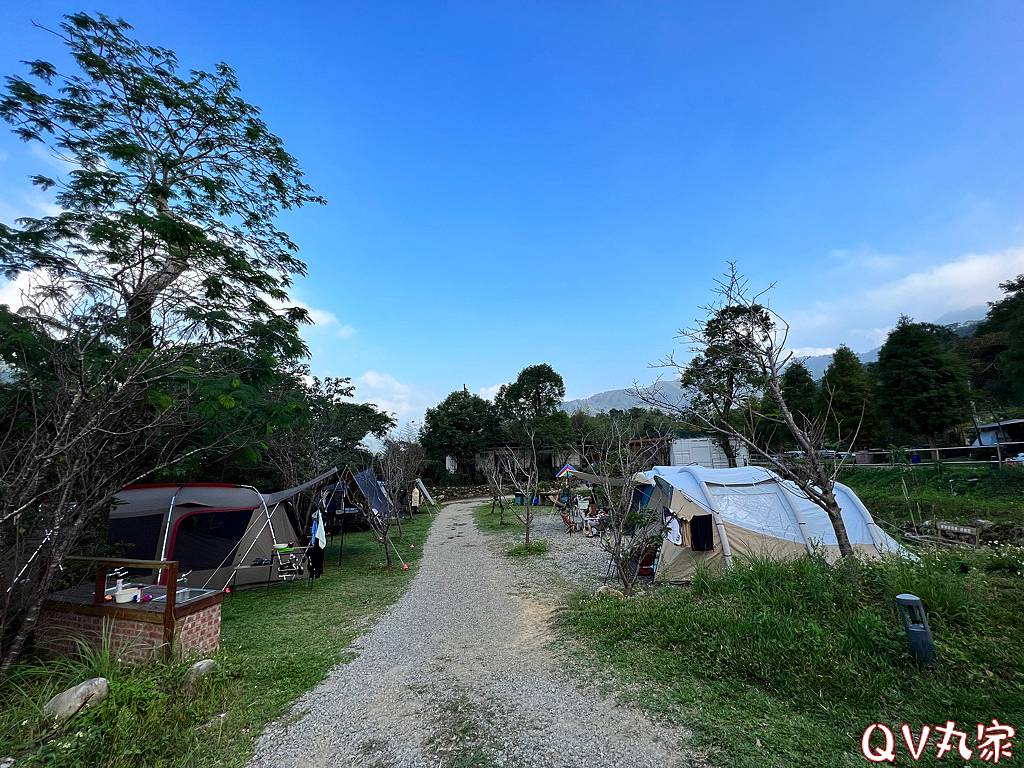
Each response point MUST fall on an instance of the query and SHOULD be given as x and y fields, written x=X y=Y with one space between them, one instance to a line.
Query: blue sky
x=512 y=183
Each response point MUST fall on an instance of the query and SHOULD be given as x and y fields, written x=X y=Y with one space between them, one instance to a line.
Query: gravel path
x=578 y=559
x=459 y=673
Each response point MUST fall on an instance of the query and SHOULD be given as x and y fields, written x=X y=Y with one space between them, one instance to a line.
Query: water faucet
x=117 y=573
x=183 y=576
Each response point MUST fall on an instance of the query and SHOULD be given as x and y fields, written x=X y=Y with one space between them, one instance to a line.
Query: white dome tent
x=713 y=516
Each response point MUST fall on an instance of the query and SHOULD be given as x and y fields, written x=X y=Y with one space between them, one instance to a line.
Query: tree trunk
x=140 y=322
x=835 y=515
x=728 y=449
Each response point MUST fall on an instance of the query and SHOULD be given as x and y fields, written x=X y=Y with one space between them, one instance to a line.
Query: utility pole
x=974 y=418
x=999 y=434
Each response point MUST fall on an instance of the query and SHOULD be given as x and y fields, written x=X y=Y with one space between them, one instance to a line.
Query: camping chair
x=570 y=526
x=290 y=561
x=587 y=520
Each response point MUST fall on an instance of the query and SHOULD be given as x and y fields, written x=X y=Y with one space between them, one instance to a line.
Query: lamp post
x=915 y=624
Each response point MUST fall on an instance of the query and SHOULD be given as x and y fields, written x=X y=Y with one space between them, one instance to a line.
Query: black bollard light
x=915 y=624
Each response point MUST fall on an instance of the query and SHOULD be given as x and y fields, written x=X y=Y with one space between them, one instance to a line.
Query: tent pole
x=167 y=525
x=252 y=543
x=244 y=555
x=726 y=549
x=801 y=521
x=869 y=521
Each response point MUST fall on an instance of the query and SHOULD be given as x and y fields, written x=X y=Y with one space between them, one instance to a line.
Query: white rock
x=606 y=591
x=73 y=700
x=199 y=670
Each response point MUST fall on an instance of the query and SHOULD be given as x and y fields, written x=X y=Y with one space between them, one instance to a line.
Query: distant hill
x=818 y=363
x=621 y=399
x=968 y=316
x=964 y=328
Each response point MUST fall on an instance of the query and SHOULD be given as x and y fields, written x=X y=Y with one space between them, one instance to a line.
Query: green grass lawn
x=494 y=522
x=785 y=664
x=274 y=646
x=947 y=492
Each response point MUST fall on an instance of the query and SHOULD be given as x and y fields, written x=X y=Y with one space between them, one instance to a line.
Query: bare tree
x=496 y=485
x=754 y=337
x=523 y=475
x=617 y=452
x=400 y=461
x=84 y=413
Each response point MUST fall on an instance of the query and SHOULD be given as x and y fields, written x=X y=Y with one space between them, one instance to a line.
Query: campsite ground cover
x=275 y=645
x=461 y=672
x=490 y=520
x=785 y=664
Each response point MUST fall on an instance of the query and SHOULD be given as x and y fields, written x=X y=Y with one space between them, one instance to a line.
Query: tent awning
x=275 y=498
x=598 y=479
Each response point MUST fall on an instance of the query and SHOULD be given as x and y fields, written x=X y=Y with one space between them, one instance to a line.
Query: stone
x=605 y=591
x=198 y=671
x=6 y=762
x=69 y=703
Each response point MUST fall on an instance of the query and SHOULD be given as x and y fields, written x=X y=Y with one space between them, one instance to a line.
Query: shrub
x=535 y=547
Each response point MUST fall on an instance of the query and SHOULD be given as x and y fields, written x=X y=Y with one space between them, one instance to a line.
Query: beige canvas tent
x=713 y=516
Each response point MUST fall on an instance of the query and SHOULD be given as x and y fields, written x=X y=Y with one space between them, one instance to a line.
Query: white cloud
x=323 y=319
x=865 y=259
x=27 y=205
x=863 y=317
x=967 y=281
x=873 y=337
x=12 y=292
x=48 y=156
x=389 y=394
x=488 y=393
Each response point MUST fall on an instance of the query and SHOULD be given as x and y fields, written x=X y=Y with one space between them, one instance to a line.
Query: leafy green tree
x=534 y=401
x=800 y=392
x=721 y=378
x=155 y=337
x=846 y=397
x=175 y=186
x=460 y=426
x=537 y=392
x=997 y=349
x=922 y=382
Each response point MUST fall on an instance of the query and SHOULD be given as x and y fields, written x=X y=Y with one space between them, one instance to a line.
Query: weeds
x=947 y=492
x=785 y=663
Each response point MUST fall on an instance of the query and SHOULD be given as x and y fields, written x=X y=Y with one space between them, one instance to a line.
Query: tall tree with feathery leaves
x=174 y=186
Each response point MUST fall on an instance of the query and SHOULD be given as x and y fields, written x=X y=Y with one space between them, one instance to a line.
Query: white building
x=705 y=452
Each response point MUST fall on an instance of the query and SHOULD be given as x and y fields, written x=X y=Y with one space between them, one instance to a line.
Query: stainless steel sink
x=186 y=595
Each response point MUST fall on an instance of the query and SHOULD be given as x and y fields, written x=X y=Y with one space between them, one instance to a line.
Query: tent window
x=205 y=540
x=136 y=538
x=702 y=537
